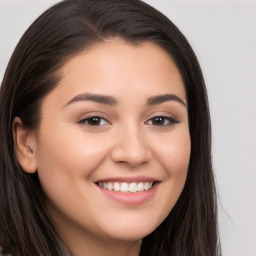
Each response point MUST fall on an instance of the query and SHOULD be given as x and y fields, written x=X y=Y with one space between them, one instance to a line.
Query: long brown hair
x=64 y=30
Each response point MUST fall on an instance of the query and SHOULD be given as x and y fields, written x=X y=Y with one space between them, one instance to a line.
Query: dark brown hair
x=58 y=34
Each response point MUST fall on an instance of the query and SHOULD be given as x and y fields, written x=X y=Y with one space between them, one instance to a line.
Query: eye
x=162 y=121
x=94 y=121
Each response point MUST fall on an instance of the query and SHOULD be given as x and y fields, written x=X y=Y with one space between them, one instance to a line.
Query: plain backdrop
x=223 y=36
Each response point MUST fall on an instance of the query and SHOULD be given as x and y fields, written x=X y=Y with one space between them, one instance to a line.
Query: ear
x=24 y=146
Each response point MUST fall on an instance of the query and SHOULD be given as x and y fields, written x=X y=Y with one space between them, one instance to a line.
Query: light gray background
x=223 y=35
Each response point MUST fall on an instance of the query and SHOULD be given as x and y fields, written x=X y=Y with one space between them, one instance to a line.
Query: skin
x=71 y=155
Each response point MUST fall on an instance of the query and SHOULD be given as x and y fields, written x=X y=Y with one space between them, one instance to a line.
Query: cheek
x=71 y=153
x=174 y=153
x=65 y=164
x=174 y=156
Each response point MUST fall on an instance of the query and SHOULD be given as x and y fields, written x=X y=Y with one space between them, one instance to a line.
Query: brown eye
x=94 y=121
x=158 y=120
x=162 y=121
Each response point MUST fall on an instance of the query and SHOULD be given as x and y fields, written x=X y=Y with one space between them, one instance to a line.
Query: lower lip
x=131 y=198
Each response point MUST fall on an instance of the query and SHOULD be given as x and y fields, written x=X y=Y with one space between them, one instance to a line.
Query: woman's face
x=117 y=120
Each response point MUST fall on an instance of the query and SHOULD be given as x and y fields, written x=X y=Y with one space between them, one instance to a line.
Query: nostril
x=131 y=148
x=131 y=157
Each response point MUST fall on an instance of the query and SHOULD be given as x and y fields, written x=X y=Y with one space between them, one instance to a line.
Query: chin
x=130 y=232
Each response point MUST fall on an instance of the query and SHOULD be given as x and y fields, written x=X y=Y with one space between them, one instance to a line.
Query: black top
x=3 y=252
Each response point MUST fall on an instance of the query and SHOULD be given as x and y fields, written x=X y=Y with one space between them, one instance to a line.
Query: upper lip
x=129 y=179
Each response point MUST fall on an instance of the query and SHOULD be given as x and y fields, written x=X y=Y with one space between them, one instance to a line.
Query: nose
x=130 y=146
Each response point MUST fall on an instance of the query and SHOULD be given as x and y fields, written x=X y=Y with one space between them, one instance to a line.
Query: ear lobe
x=24 y=146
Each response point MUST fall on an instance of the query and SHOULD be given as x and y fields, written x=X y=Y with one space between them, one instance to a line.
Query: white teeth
x=109 y=186
x=140 y=186
x=125 y=187
x=132 y=187
x=116 y=187
x=146 y=186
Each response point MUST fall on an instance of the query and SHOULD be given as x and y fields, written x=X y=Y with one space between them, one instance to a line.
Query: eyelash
x=85 y=120
x=169 y=119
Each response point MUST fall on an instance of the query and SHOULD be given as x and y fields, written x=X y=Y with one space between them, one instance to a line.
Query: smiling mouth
x=125 y=187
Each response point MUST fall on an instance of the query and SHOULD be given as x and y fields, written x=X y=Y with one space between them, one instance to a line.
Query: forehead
x=121 y=69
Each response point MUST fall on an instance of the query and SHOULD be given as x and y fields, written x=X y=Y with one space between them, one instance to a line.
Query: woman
x=105 y=137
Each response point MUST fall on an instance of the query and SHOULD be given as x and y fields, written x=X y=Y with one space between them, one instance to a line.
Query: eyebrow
x=112 y=101
x=102 y=99
x=163 y=98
